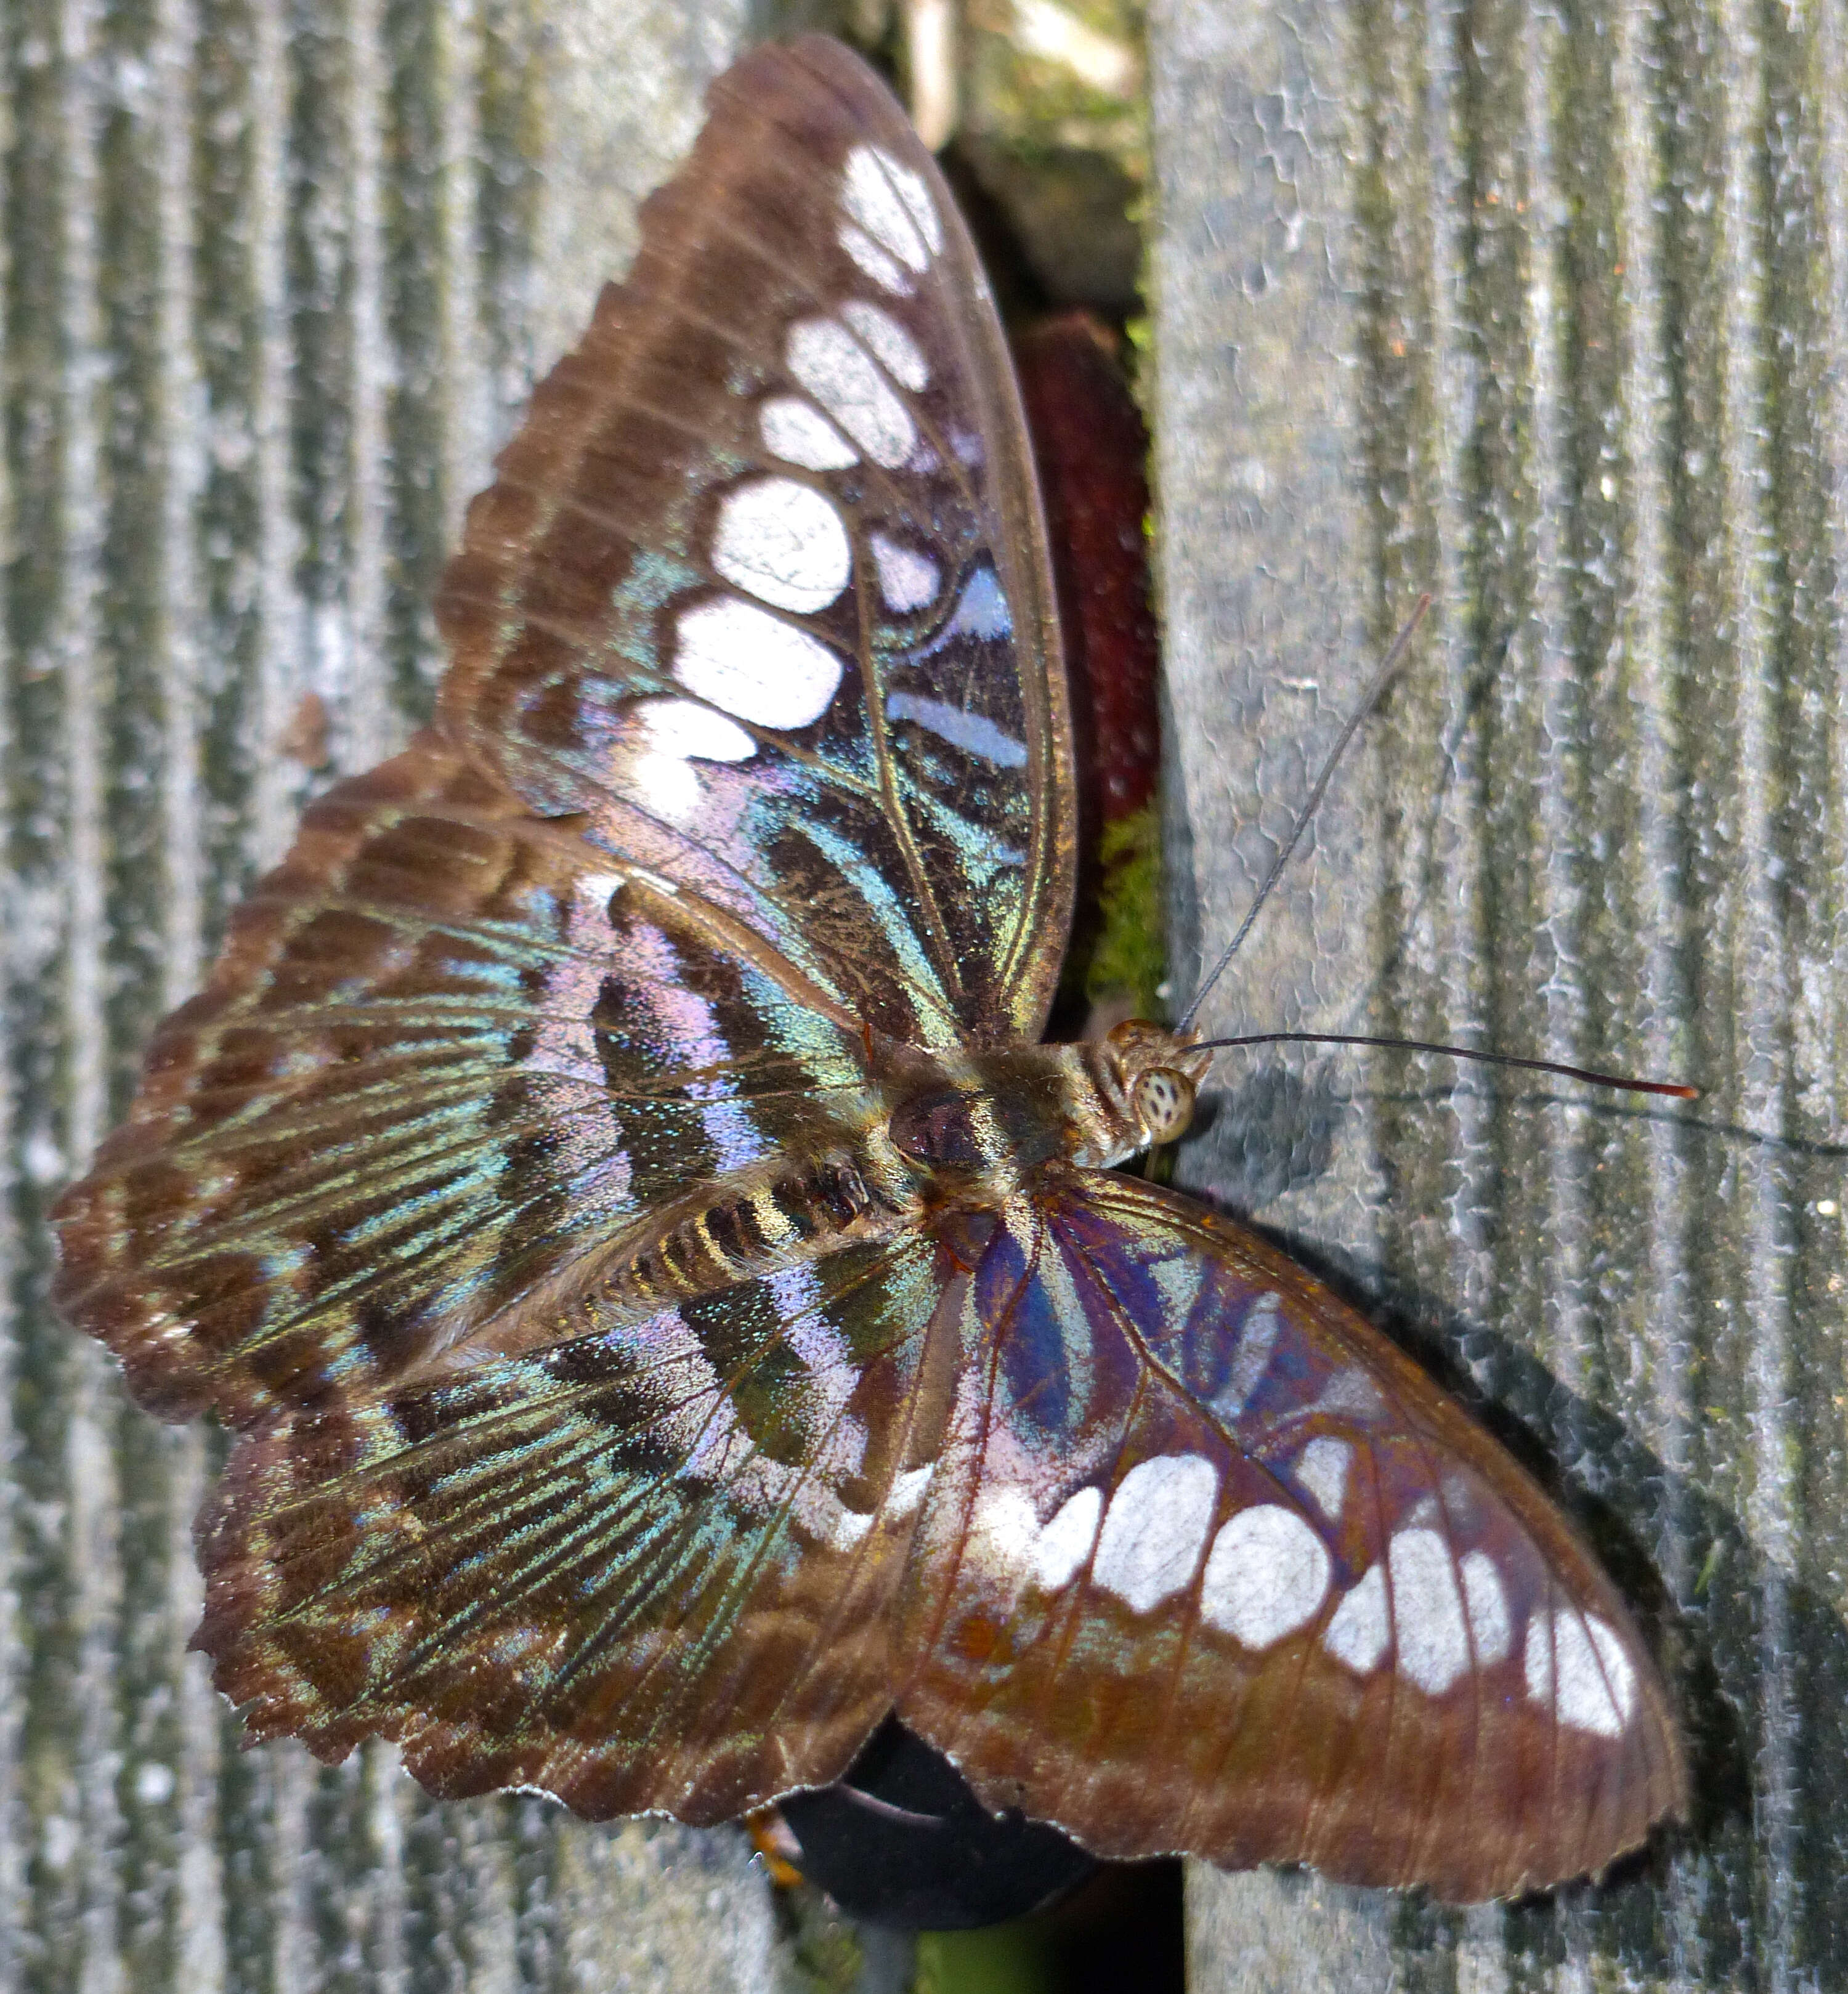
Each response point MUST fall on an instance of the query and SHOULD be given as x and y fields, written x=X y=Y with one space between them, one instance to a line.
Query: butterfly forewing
x=396 y=1109
x=451 y=1055
x=762 y=587
x=1208 y=1566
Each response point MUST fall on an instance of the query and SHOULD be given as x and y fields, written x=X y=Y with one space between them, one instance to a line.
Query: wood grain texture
x=1541 y=309
x=276 y=281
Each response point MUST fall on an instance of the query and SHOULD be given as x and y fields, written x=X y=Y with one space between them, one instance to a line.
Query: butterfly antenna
x=1673 y=1088
x=1375 y=691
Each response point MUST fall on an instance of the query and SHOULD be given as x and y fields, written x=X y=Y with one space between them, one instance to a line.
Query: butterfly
x=671 y=1311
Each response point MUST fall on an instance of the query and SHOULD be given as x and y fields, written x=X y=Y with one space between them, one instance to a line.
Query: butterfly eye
x=1164 y=1100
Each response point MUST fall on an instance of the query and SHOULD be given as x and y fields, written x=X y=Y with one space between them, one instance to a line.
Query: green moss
x=824 y=1953
x=1003 y=1959
x=1129 y=958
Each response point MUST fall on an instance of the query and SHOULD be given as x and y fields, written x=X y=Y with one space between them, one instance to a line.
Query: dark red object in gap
x=1092 y=450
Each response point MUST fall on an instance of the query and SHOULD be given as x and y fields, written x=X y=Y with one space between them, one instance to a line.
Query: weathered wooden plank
x=1540 y=308
x=276 y=279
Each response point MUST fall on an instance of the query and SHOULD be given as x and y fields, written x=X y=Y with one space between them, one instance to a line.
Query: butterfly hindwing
x=1208 y=1565
x=762 y=588
x=649 y=1565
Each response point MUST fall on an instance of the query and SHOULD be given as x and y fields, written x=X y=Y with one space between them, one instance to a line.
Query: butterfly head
x=1158 y=1072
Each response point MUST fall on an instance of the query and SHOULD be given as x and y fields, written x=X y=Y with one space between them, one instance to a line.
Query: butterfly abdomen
x=735 y=1229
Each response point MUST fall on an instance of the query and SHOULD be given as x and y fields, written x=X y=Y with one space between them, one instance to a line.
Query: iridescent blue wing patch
x=452 y=1057
x=649 y=1567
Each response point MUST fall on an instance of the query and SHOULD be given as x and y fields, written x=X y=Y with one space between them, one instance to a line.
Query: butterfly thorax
x=974 y=1126
x=993 y=1115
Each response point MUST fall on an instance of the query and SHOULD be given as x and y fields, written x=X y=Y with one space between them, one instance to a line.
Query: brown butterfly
x=671 y=1311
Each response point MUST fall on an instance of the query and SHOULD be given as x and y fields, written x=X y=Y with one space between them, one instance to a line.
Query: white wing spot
x=1257 y=1333
x=1577 y=1663
x=669 y=730
x=892 y=205
x=873 y=260
x=849 y=383
x=1002 y=1533
x=907 y=1490
x=784 y=542
x=665 y=786
x=1358 y=1629
x=831 y=1520
x=917 y=198
x=1151 y=1539
x=1427 y=1610
x=752 y=664
x=1266 y=1577
x=907 y=579
x=797 y=432
x=1322 y=1469
x=679 y=727
x=889 y=343
x=1066 y=1541
x=1487 y=1606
